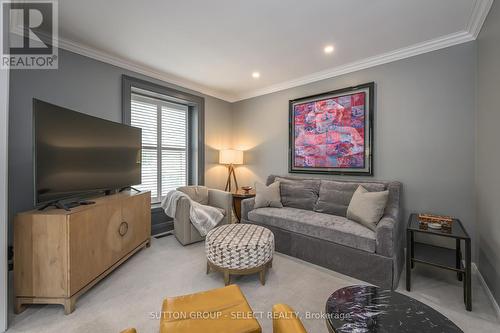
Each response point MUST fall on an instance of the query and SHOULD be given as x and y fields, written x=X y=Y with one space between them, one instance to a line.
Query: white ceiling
x=213 y=46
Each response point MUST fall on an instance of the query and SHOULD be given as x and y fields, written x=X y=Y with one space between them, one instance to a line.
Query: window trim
x=196 y=121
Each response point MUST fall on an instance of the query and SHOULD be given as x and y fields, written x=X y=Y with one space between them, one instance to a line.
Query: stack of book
x=445 y=221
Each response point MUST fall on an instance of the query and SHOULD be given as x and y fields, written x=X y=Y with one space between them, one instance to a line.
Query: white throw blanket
x=204 y=218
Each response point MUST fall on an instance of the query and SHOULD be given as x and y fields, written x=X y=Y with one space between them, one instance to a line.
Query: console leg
x=69 y=305
x=18 y=306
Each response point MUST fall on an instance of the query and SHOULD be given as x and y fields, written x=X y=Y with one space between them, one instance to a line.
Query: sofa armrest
x=246 y=206
x=390 y=229
x=221 y=199
x=286 y=320
x=182 y=223
x=386 y=236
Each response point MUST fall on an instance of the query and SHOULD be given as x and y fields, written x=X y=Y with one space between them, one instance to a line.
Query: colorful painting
x=331 y=133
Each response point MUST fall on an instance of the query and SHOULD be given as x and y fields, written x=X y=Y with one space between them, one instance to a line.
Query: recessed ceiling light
x=255 y=75
x=329 y=49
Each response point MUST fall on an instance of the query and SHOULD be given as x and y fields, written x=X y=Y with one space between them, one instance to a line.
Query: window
x=164 y=143
x=173 y=139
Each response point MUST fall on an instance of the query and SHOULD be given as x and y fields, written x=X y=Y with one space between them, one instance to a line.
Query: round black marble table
x=363 y=309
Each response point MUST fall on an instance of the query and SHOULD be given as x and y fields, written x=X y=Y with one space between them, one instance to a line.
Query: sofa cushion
x=366 y=207
x=332 y=228
x=267 y=196
x=301 y=194
x=334 y=196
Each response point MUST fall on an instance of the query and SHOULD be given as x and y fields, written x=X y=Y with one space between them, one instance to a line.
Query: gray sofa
x=312 y=226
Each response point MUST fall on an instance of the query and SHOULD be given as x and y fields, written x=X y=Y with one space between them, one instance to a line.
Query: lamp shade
x=231 y=156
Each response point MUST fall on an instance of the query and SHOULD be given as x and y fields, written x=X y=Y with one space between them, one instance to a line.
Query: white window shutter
x=144 y=116
x=164 y=144
x=174 y=147
x=174 y=127
x=174 y=173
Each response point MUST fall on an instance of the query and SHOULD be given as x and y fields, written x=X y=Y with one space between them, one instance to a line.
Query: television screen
x=76 y=154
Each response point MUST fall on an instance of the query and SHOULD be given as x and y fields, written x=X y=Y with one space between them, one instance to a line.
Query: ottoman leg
x=262 y=276
x=227 y=278
x=208 y=267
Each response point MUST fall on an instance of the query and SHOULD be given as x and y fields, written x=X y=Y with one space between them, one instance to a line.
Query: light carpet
x=130 y=295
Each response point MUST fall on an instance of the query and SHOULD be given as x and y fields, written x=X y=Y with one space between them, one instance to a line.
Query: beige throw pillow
x=367 y=208
x=267 y=196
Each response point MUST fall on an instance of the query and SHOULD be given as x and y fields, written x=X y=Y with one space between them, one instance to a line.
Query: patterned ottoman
x=239 y=249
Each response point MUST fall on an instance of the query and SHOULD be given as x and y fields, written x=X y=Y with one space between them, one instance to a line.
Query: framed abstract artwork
x=332 y=132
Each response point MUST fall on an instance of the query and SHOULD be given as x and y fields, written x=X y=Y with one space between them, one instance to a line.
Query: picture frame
x=332 y=132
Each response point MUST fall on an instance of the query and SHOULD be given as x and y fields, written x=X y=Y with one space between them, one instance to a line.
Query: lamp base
x=231 y=172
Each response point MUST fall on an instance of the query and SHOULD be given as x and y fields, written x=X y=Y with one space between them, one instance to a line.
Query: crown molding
x=407 y=52
x=478 y=16
x=479 y=13
x=93 y=53
x=141 y=69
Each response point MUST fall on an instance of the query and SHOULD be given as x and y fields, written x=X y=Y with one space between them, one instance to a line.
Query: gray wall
x=424 y=129
x=91 y=87
x=218 y=135
x=488 y=151
x=4 y=107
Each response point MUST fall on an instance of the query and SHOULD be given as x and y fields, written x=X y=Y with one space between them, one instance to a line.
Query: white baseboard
x=493 y=301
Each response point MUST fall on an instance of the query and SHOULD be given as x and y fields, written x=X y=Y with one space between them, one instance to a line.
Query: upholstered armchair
x=184 y=230
x=286 y=320
x=228 y=300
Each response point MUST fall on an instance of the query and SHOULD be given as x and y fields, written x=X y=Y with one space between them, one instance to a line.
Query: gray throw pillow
x=267 y=196
x=301 y=194
x=335 y=196
x=367 y=208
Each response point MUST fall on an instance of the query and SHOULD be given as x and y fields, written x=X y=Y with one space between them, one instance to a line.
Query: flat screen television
x=77 y=154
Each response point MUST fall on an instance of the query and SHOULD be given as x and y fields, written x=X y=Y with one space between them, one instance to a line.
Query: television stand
x=58 y=204
x=60 y=255
x=66 y=206
x=131 y=188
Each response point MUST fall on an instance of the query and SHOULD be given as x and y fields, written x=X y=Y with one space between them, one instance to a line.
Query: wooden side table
x=238 y=196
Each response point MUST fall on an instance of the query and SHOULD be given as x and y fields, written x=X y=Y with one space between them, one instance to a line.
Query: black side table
x=441 y=257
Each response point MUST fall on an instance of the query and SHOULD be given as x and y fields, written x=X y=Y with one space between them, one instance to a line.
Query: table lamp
x=231 y=157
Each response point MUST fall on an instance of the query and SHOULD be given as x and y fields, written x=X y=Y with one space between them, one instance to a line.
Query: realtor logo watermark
x=29 y=34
